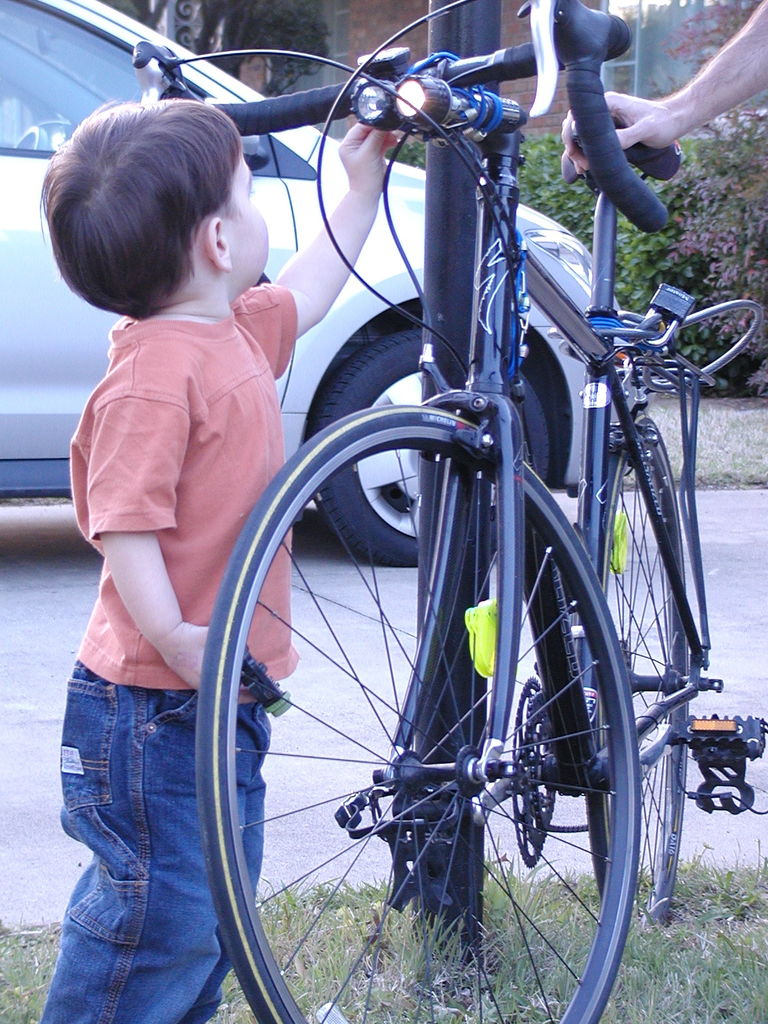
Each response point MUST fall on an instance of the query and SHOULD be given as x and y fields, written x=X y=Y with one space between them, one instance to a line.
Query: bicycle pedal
x=744 y=737
x=721 y=747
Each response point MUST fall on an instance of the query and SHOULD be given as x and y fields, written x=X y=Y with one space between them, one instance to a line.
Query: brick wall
x=370 y=24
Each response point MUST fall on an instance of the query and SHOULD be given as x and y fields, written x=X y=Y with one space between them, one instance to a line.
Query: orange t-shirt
x=180 y=438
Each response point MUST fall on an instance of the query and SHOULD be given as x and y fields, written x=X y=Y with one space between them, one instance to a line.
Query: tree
x=295 y=25
x=208 y=26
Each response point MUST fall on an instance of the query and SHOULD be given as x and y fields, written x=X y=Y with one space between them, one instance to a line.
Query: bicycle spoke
x=405 y=878
x=656 y=652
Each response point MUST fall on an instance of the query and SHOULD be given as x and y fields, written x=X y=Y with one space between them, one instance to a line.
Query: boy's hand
x=182 y=650
x=362 y=154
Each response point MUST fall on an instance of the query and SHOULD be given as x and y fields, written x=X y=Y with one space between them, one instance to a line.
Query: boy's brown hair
x=125 y=195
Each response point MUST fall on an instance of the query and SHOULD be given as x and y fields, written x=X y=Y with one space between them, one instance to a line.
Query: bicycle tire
x=343 y=926
x=385 y=372
x=656 y=650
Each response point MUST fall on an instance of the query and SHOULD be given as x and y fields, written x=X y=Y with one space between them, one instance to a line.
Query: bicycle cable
x=461 y=147
x=489 y=114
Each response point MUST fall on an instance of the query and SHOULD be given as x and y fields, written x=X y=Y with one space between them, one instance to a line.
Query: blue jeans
x=140 y=942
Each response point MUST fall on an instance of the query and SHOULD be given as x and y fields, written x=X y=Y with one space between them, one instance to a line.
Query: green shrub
x=723 y=204
x=413 y=152
x=715 y=245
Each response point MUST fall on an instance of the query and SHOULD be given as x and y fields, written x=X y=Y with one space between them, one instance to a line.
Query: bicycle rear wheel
x=398 y=882
x=656 y=652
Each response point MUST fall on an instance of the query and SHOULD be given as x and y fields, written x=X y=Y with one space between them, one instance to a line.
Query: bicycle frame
x=489 y=399
x=609 y=403
x=606 y=401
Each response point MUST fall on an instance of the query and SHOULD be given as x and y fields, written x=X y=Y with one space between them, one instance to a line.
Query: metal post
x=450 y=194
x=453 y=687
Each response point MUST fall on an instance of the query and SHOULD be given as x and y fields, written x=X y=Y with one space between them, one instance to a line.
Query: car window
x=268 y=157
x=54 y=74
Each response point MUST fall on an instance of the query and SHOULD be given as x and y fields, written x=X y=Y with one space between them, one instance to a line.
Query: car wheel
x=386 y=373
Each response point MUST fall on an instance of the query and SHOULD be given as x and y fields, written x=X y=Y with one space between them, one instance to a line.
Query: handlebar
x=158 y=71
x=294 y=110
x=566 y=34
x=583 y=38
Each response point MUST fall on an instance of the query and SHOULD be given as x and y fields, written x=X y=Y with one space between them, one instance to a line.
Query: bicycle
x=475 y=838
x=640 y=530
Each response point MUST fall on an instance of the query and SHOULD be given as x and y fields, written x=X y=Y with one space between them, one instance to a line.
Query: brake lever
x=159 y=74
x=542 y=15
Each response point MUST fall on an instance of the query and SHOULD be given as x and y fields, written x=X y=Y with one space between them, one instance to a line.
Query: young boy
x=150 y=216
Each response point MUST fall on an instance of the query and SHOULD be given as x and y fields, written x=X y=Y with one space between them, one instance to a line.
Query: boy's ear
x=213 y=244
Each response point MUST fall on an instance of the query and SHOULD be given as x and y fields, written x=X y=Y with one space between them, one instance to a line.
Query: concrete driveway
x=48 y=579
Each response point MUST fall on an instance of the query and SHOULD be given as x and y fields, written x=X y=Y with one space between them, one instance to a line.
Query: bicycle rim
x=656 y=652
x=394 y=886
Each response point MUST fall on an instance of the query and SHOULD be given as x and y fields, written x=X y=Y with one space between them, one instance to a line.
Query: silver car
x=61 y=59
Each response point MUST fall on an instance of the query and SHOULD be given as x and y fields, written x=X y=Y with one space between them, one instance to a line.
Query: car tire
x=385 y=372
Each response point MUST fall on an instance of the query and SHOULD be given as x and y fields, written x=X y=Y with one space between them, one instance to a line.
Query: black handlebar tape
x=584 y=38
x=502 y=66
x=661 y=164
x=294 y=110
x=619 y=37
x=520 y=61
x=608 y=165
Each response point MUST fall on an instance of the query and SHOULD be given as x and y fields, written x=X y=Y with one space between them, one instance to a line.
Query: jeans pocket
x=254 y=734
x=89 y=725
x=112 y=908
x=171 y=706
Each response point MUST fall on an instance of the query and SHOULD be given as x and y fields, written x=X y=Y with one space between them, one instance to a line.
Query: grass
x=708 y=966
x=732 y=444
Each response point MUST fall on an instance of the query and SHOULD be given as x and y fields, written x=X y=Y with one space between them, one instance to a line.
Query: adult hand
x=650 y=121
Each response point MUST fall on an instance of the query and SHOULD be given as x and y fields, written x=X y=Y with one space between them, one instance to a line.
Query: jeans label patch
x=70 y=761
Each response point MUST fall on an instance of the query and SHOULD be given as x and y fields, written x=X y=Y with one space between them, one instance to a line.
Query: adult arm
x=737 y=71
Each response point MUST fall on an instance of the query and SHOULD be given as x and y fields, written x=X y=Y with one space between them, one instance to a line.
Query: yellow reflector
x=620 y=545
x=482 y=623
x=714 y=725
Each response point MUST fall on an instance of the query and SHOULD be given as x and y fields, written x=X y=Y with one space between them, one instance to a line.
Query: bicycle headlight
x=375 y=105
x=428 y=96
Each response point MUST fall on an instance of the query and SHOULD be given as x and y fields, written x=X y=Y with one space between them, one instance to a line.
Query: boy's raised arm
x=316 y=274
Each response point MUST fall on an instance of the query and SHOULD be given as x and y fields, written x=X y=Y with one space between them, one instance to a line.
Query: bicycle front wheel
x=656 y=652
x=404 y=878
